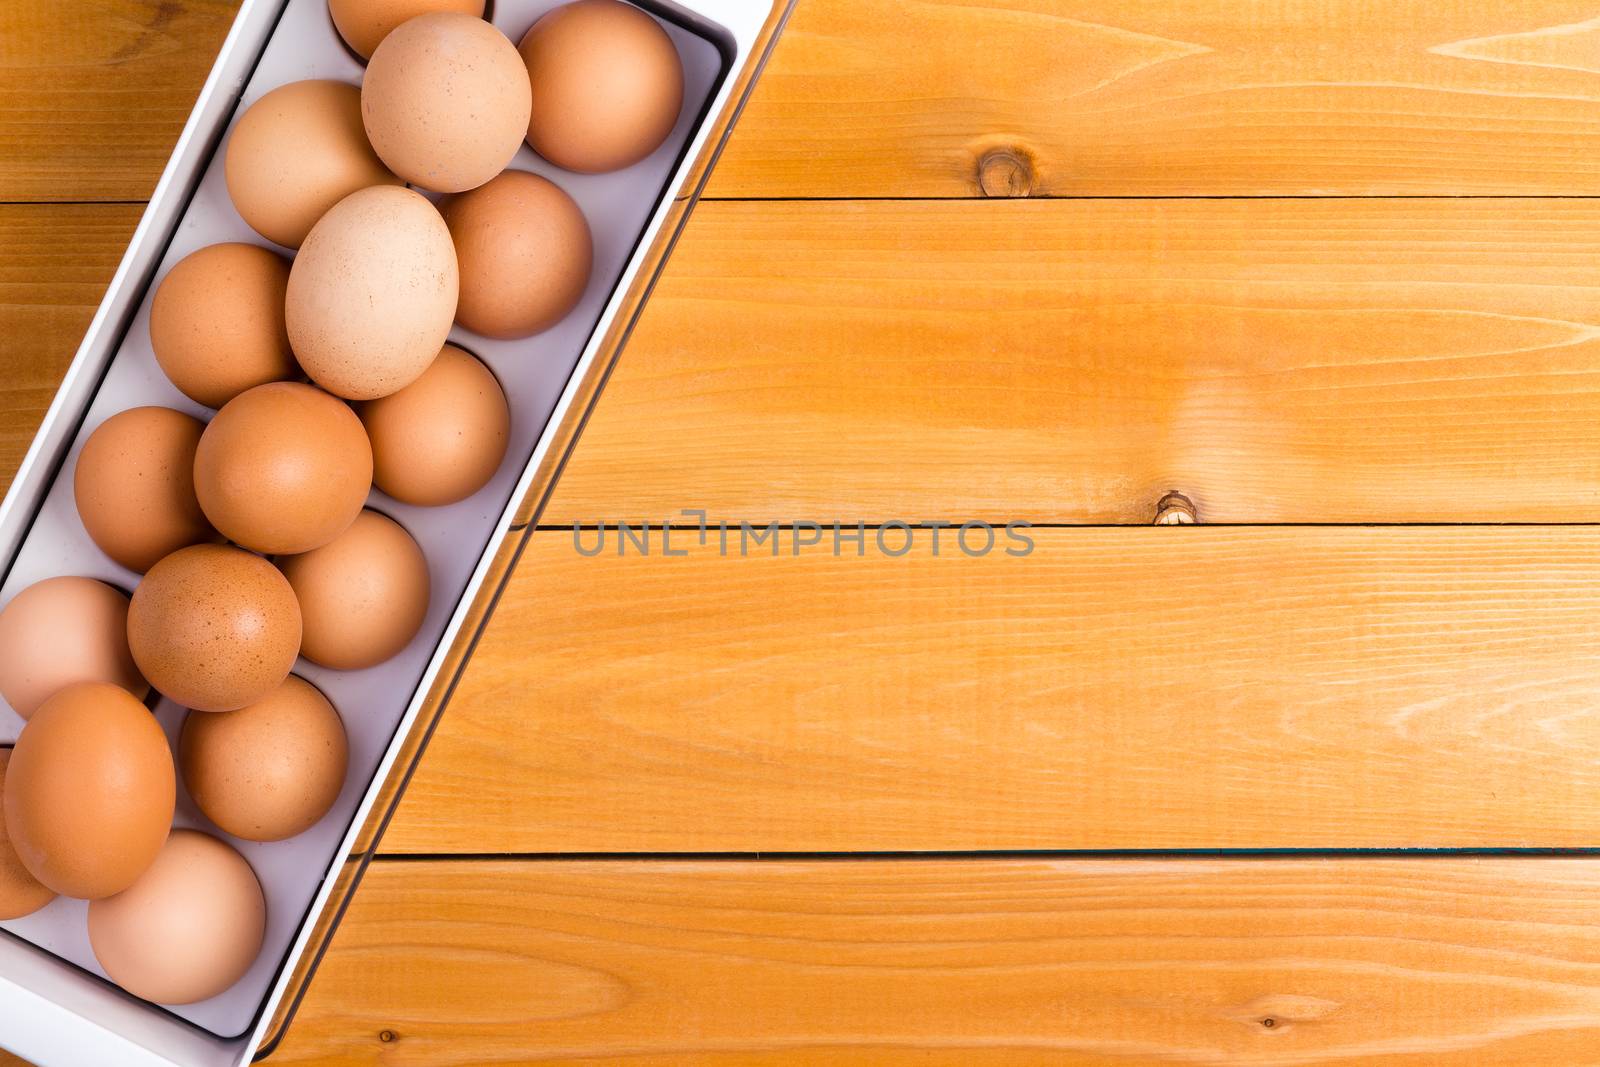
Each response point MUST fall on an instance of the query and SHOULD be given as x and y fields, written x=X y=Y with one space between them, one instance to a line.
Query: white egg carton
x=56 y=1007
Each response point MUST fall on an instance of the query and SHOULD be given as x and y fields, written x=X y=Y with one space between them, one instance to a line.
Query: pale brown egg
x=295 y=153
x=365 y=23
x=445 y=101
x=268 y=771
x=283 y=468
x=20 y=892
x=441 y=438
x=216 y=322
x=524 y=251
x=373 y=293
x=61 y=631
x=214 y=627
x=90 y=791
x=134 y=486
x=187 y=930
x=607 y=85
x=363 y=596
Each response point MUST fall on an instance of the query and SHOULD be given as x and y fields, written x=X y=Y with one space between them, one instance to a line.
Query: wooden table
x=1330 y=268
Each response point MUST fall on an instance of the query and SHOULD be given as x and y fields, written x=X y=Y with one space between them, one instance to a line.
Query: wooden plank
x=93 y=93
x=956 y=98
x=55 y=263
x=1116 y=689
x=1174 y=98
x=1278 y=361
x=1439 y=962
x=1284 y=360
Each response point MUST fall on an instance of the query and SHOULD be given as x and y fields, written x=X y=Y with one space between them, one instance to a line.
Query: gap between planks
x=979 y=855
x=977 y=200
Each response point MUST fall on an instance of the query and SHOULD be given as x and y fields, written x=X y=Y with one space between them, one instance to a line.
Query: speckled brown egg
x=90 y=791
x=61 y=631
x=365 y=23
x=295 y=153
x=214 y=627
x=446 y=101
x=188 y=929
x=283 y=468
x=134 y=486
x=524 y=251
x=216 y=322
x=268 y=771
x=607 y=85
x=373 y=293
x=363 y=596
x=441 y=438
x=20 y=892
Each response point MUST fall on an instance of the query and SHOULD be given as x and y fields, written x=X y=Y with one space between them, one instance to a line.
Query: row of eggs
x=282 y=471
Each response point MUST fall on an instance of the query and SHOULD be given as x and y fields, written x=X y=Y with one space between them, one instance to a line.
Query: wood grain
x=93 y=93
x=1277 y=361
x=1171 y=687
x=941 y=98
x=55 y=264
x=1438 y=962
x=958 y=98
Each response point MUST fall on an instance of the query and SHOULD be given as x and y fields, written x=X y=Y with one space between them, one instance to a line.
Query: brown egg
x=216 y=323
x=365 y=23
x=525 y=254
x=61 y=631
x=283 y=468
x=608 y=85
x=268 y=771
x=445 y=101
x=90 y=791
x=187 y=930
x=134 y=485
x=214 y=627
x=20 y=892
x=372 y=293
x=441 y=438
x=363 y=596
x=295 y=153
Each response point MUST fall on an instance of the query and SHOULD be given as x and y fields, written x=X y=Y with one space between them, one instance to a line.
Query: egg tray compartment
x=533 y=372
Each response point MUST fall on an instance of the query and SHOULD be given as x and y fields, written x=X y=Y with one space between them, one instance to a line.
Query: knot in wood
x=1005 y=173
x=1175 y=509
